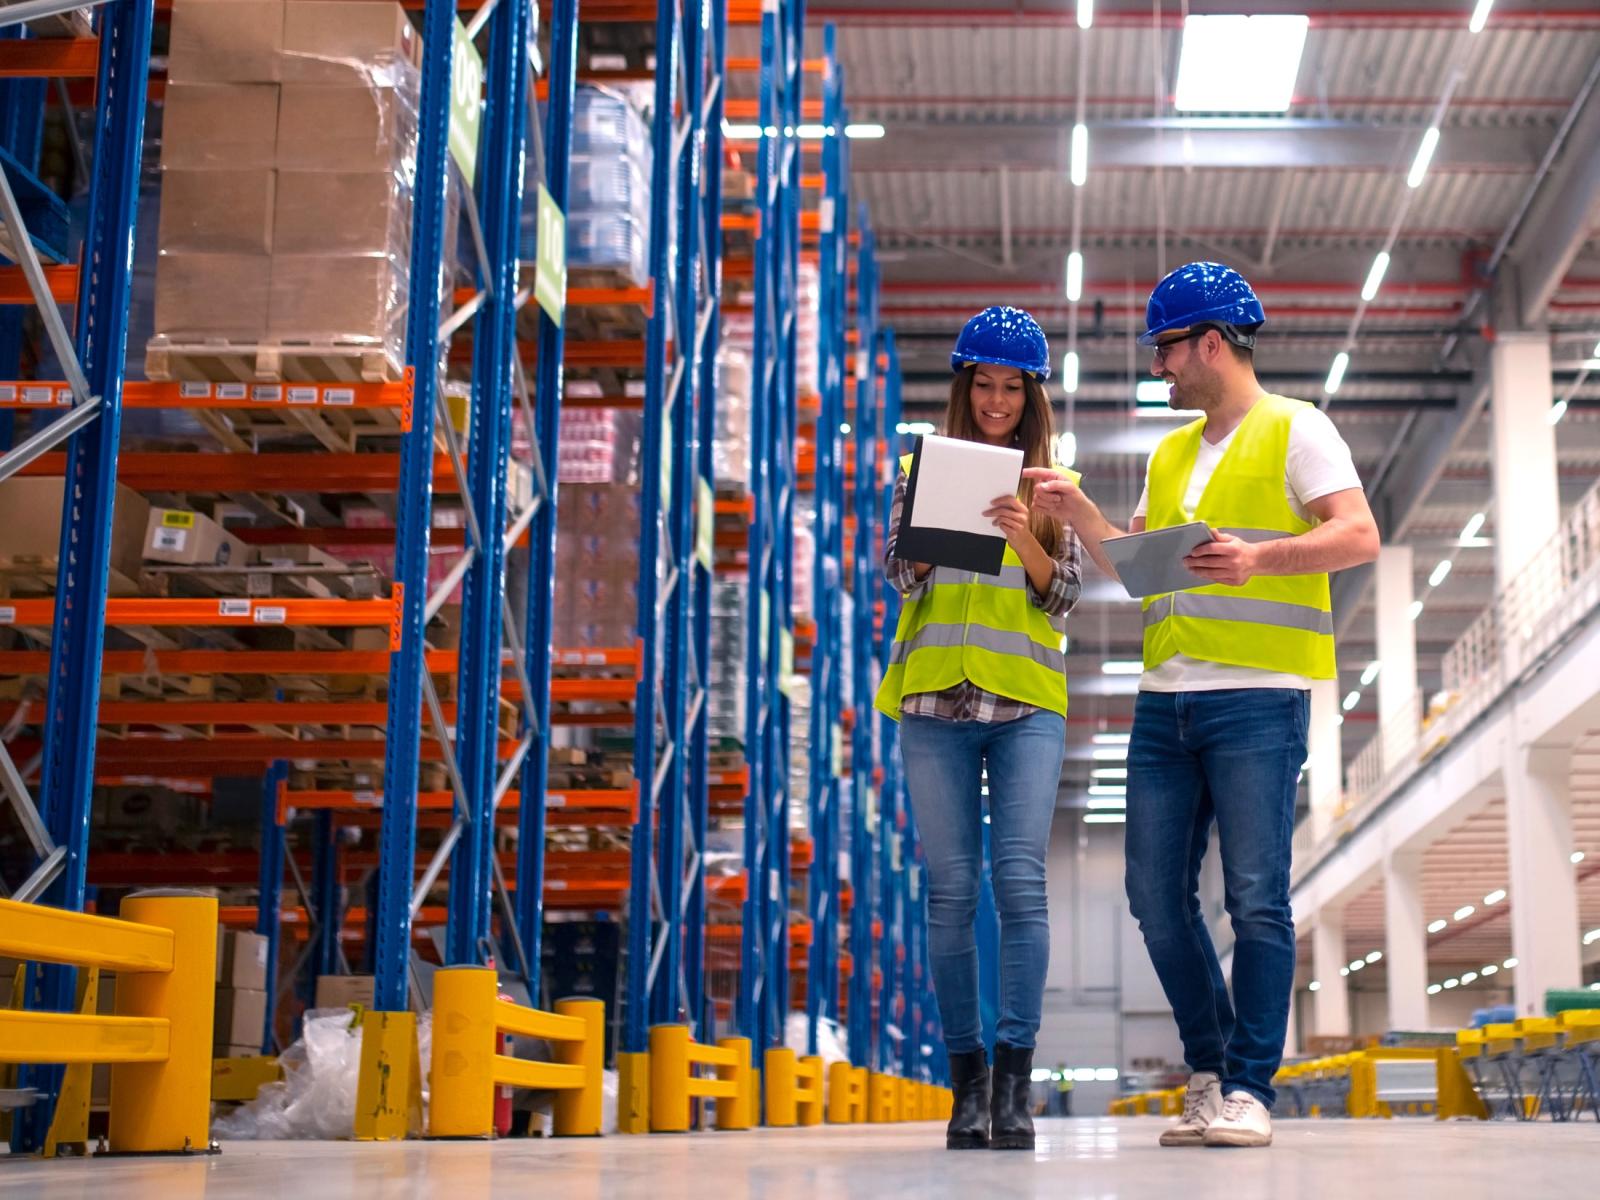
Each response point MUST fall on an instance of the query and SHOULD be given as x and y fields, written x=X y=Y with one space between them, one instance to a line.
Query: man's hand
x=1010 y=516
x=1054 y=495
x=1228 y=560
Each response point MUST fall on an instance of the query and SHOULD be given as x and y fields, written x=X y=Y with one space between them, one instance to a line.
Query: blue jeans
x=944 y=761
x=1235 y=757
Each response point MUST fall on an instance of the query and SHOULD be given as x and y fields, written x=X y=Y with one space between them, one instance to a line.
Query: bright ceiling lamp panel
x=1240 y=64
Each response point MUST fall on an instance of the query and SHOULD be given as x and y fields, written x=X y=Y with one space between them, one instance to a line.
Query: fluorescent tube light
x=1494 y=897
x=1480 y=16
x=1370 y=673
x=1075 y=276
x=1375 y=276
x=1473 y=525
x=1086 y=13
x=1440 y=573
x=1419 y=165
x=867 y=130
x=1105 y=818
x=1080 y=154
x=1341 y=363
x=1069 y=373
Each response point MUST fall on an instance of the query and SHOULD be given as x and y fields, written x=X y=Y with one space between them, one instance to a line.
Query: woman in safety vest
x=977 y=680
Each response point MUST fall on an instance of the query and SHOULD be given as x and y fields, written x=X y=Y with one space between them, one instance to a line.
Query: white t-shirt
x=1319 y=464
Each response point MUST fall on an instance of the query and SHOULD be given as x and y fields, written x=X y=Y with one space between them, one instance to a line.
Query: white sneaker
x=1245 y=1121
x=1202 y=1104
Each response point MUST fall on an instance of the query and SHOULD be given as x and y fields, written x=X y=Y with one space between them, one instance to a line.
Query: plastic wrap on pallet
x=597 y=565
x=730 y=639
x=730 y=452
x=799 y=752
x=289 y=145
x=808 y=333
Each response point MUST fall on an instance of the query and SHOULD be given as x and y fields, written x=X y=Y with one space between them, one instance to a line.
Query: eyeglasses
x=1161 y=349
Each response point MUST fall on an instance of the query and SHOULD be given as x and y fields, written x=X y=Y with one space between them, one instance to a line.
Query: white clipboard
x=1151 y=563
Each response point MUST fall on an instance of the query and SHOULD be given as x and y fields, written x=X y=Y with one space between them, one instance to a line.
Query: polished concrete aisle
x=1090 y=1159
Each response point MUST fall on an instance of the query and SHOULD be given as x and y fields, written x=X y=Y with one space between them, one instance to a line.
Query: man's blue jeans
x=944 y=761
x=1233 y=757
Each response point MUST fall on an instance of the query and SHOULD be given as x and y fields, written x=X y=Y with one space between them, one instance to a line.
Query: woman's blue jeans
x=944 y=763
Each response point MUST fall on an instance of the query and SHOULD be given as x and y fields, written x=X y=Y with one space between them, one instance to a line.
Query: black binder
x=945 y=547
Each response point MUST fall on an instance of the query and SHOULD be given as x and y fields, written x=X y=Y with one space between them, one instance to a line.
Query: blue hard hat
x=1202 y=293
x=1006 y=337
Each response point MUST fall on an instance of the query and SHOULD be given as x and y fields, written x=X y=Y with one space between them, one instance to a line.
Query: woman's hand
x=1010 y=516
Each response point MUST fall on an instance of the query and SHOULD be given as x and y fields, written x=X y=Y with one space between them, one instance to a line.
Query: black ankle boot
x=969 y=1122
x=1011 y=1118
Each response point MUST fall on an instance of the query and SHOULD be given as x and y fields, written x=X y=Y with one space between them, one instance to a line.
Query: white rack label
x=233 y=608
x=339 y=397
x=273 y=614
x=8 y=614
x=38 y=395
x=302 y=395
x=825 y=217
x=194 y=391
x=556 y=885
x=267 y=393
x=594 y=660
x=64 y=398
x=371 y=798
x=555 y=800
x=233 y=391
x=8 y=393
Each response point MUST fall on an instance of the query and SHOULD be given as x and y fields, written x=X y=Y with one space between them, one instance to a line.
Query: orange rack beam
x=63 y=281
x=138 y=610
x=283 y=662
x=49 y=58
x=140 y=394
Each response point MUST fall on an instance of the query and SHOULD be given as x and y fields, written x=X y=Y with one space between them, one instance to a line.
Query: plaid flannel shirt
x=966 y=701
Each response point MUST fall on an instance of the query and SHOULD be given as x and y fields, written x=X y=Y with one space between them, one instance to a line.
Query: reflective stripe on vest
x=999 y=641
x=1278 y=623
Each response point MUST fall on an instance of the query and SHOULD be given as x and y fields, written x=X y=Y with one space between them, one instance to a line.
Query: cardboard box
x=328 y=41
x=30 y=530
x=319 y=298
x=217 y=211
x=341 y=991
x=184 y=538
x=242 y=959
x=213 y=297
x=240 y=1017
x=340 y=212
x=231 y=126
x=328 y=128
x=226 y=41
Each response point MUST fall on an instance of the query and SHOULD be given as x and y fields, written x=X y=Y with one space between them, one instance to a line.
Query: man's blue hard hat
x=1203 y=293
x=1006 y=337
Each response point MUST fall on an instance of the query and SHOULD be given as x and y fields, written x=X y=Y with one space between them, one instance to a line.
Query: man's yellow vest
x=1280 y=623
x=958 y=625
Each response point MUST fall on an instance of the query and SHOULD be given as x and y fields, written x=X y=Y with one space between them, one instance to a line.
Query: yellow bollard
x=741 y=1112
x=782 y=1109
x=809 y=1111
x=839 y=1107
x=669 y=1079
x=909 y=1109
x=578 y=1110
x=880 y=1099
x=633 y=1093
x=165 y=1107
x=461 y=1065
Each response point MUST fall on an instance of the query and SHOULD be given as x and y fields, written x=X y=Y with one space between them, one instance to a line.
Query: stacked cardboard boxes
x=288 y=161
x=241 y=1006
x=597 y=565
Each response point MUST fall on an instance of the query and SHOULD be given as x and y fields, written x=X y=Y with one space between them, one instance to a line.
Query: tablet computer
x=1151 y=563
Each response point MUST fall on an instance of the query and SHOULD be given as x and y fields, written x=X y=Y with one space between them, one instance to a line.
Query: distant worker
x=1063 y=1082
x=1220 y=724
x=977 y=679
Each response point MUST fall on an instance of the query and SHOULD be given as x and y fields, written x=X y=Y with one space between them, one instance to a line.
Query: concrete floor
x=1089 y=1159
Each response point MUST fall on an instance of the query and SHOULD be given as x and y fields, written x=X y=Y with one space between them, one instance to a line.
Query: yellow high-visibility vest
x=1279 y=623
x=958 y=625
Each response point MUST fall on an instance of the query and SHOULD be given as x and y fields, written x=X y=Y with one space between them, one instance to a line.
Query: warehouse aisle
x=1090 y=1159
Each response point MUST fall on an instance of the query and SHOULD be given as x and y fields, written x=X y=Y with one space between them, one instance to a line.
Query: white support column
x=1405 y=950
x=1332 y=1016
x=1545 y=934
x=1325 y=774
x=1291 y=1037
x=1527 y=499
x=1397 y=652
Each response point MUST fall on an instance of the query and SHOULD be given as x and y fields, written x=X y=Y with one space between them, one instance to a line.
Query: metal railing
x=1529 y=618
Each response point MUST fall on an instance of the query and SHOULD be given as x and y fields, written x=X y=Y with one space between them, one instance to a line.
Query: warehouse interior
x=446 y=450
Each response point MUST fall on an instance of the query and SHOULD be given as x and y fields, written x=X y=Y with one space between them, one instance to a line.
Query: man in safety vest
x=1219 y=729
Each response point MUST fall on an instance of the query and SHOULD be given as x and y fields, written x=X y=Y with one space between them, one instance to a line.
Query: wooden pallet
x=270 y=362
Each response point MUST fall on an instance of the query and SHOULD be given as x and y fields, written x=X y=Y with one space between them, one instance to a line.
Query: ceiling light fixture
x=1086 y=13
x=1114 y=666
x=1415 y=610
x=1419 y=165
x=1080 y=154
x=1434 y=989
x=1370 y=673
x=1350 y=701
x=1380 y=265
x=1107 y=804
x=1488 y=970
x=1510 y=964
x=1469 y=977
x=1375 y=956
x=1210 y=78
x=1075 y=276
x=866 y=130
x=1577 y=857
x=1470 y=530
x=1438 y=926
x=1495 y=896
x=1465 y=911
x=1440 y=573
x=1480 y=16
x=1314 y=986
x=1341 y=363
x=1109 y=773
x=1557 y=411
x=1069 y=372
x=1105 y=818
x=1111 y=739
x=1110 y=753
x=1108 y=789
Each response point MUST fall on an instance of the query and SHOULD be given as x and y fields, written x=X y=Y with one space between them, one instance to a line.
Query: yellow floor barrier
x=673 y=1083
x=240 y=1080
x=883 y=1099
x=467 y=1066
x=794 y=1088
x=847 y=1094
x=163 y=951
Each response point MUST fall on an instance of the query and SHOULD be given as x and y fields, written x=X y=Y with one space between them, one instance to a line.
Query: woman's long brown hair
x=1032 y=436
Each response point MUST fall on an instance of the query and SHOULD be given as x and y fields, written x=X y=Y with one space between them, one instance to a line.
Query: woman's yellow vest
x=958 y=625
x=1280 y=623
